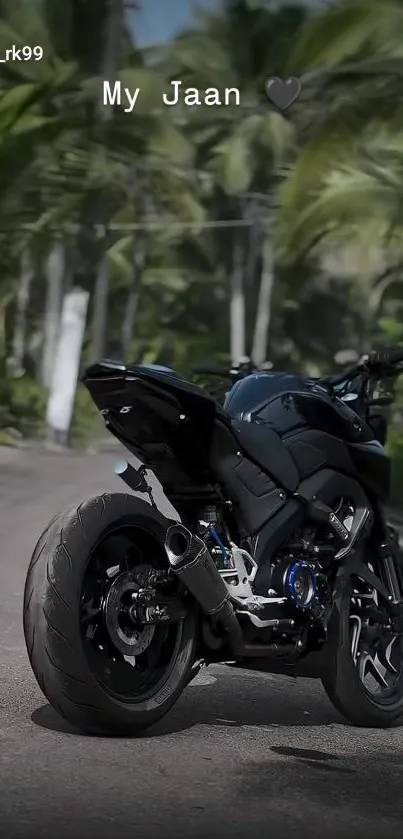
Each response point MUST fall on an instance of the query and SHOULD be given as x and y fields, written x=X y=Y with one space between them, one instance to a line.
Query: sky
x=158 y=20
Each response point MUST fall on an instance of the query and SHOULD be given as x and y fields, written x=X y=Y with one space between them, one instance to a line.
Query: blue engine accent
x=300 y=584
x=226 y=553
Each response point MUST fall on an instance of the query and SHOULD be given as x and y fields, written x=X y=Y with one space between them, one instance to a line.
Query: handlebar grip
x=212 y=370
x=386 y=358
x=395 y=356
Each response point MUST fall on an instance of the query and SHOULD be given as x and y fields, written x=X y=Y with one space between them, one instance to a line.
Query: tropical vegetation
x=204 y=232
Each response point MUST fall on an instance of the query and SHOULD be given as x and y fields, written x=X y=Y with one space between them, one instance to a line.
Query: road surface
x=240 y=756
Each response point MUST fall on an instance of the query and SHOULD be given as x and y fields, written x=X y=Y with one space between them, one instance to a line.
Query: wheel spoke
x=128 y=657
x=385 y=650
x=369 y=665
x=356 y=634
x=373 y=649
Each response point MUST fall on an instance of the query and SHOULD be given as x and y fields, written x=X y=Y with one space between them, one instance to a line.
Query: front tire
x=83 y=675
x=345 y=654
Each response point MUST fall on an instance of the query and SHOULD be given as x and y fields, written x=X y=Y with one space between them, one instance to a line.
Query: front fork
x=391 y=566
x=389 y=583
x=391 y=561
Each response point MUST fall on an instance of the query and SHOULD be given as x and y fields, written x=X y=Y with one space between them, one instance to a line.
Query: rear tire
x=342 y=682
x=53 y=633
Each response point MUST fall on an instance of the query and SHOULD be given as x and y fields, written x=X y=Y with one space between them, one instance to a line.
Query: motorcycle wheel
x=101 y=672
x=363 y=674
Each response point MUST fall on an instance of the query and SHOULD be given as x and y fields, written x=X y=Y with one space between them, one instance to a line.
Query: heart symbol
x=283 y=92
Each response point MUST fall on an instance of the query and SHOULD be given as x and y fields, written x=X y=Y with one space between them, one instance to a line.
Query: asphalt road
x=241 y=755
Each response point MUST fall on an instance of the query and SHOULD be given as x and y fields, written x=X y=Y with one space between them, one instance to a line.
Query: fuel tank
x=289 y=403
x=316 y=426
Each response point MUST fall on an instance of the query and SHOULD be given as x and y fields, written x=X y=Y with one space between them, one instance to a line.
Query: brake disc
x=128 y=637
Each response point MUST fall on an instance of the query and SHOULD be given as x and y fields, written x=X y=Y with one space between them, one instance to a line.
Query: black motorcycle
x=268 y=550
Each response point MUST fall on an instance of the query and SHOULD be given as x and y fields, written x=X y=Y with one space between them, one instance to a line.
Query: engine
x=302 y=582
x=304 y=571
x=297 y=580
x=301 y=574
x=293 y=611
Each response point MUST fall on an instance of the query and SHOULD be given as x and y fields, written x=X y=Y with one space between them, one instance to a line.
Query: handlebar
x=381 y=363
x=213 y=370
x=237 y=371
x=384 y=360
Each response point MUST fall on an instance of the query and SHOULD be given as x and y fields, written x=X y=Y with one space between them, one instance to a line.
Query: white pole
x=67 y=363
x=55 y=270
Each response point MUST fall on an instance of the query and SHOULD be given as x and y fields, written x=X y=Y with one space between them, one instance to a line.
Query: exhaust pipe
x=193 y=564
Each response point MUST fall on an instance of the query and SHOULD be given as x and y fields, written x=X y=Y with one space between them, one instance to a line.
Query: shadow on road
x=228 y=702
x=311 y=757
x=323 y=780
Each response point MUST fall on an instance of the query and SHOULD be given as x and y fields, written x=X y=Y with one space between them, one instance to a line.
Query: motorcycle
x=270 y=550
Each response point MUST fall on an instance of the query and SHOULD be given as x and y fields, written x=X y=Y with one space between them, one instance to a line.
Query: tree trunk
x=20 y=321
x=263 y=313
x=133 y=300
x=53 y=306
x=110 y=61
x=237 y=305
x=142 y=203
x=113 y=38
x=100 y=311
x=67 y=362
x=252 y=213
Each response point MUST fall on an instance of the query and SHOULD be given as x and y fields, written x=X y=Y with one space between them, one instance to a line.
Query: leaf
x=166 y=141
x=118 y=254
x=152 y=86
x=17 y=99
x=189 y=51
x=233 y=164
x=277 y=135
x=189 y=208
x=349 y=29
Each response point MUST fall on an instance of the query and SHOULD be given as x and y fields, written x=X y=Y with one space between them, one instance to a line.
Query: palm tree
x=239 y=148
x=57 y=168
x=110 y=61
x=352 y=60
x=358 y=214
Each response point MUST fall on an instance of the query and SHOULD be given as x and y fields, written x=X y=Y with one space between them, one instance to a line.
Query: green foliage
x=359 y=194
x=348 y=174
x=23 y=408
x=328 y=173
x=87 y=422
x=351 y=30
x=23 y=404
x=395 y=451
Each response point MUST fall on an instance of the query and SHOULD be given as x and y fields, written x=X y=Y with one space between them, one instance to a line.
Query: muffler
x=193 y=564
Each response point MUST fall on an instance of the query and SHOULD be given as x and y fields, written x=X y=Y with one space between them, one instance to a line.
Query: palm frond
x=363 y=193
x=350 y=29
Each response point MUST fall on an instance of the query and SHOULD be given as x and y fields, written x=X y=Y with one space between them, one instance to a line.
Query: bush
x=23 y=411
x=28 y=404
x=23 y=406
x=395 y=449
x=87 y=421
